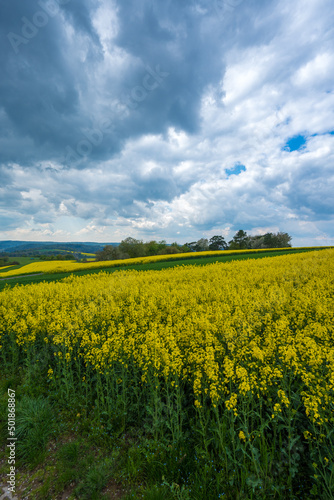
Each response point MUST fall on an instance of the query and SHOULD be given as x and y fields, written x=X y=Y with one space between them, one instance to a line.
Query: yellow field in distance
x=51 y=267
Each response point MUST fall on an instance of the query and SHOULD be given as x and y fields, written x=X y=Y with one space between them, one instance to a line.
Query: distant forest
x=28 y=248
x=131 y=248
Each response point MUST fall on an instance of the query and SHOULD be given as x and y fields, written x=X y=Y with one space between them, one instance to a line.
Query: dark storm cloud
x=179 y=39
x=37 y=89
x=49 y=95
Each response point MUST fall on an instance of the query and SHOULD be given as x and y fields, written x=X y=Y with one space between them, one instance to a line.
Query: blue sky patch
x=295 y=143
x=236 y=170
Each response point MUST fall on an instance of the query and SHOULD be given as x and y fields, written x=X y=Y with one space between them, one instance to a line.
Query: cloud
x=70 y=77
x=172 y=121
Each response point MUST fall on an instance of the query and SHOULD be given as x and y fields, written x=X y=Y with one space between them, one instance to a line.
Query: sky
x=170 y=119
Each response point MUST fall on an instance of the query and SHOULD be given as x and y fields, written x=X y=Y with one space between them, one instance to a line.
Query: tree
x=282 y=240
x=184 y=248
x=202 y=245
x=255 y=242
x=132 y=247
x=173 y=248
x=269 y=240
x=217 y=243
x=155 y=247
x=239 y=241
x=110 y=252
x=191 y=246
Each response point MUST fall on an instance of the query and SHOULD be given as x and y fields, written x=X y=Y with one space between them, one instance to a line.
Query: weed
x=34 y=426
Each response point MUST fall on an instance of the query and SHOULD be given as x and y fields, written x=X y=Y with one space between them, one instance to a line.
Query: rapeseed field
x=231 y=365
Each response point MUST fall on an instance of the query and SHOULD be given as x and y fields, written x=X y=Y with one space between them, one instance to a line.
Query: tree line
x=242 y=241
x=132 y=248
x=4 y=262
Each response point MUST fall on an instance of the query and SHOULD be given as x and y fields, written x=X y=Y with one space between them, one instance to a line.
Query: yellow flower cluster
x=232 y=330
x=242 y=436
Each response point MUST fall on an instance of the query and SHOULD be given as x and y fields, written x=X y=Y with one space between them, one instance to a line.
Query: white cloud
x=277 y=83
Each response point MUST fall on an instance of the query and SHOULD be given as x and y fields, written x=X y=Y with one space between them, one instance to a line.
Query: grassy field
x=195 y=382
x=23 y=261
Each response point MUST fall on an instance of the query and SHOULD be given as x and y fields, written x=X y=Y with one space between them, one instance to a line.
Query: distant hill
x=17 y=247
